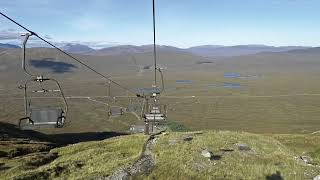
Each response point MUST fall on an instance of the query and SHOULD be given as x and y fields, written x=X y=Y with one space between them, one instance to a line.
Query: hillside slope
x=84 y=160
x=233 y=155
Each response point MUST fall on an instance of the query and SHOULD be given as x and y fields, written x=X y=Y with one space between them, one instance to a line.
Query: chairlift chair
x=115 y=111
x=156 y=113
x=41 y=116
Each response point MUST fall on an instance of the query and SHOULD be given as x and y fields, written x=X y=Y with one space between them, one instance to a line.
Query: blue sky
x=181 y=23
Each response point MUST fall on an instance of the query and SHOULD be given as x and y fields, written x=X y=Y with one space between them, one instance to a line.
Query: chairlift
x=156 y=112
x=41 y=116
x=115 y=111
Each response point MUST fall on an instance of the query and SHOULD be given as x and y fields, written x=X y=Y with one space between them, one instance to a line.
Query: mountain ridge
x=202 y=50
x=8 y=46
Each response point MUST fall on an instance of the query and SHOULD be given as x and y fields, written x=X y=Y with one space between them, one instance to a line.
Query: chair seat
x=157 y=117
x=46 y=116
x=43 y=118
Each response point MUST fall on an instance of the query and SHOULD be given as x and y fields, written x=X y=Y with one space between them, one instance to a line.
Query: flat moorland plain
x=276 y=93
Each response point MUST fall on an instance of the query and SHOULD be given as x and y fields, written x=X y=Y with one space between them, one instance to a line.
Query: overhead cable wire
x=154 y=42
x=69 y=55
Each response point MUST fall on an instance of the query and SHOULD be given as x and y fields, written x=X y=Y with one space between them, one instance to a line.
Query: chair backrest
x=116 y=111
x=46 y=116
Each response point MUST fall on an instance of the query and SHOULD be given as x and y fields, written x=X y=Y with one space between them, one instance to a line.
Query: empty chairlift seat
x=116 y=111
x=49 y=117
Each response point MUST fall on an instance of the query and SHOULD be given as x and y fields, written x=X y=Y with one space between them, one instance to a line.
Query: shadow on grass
x=216 y=157
x=11 y=131
x=276 y=176
x=52 y=64
x=2 y=167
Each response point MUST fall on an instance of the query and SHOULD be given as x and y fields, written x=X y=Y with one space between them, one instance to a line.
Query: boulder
x=317 y=177
x=243 y=147
x=206 y=153
x=306 y=159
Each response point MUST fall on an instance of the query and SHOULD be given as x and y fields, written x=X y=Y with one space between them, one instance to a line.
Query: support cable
x=71 y=56
x=154 y=42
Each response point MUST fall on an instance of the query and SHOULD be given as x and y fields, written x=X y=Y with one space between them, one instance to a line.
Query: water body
x=184 y=81
x=232 y=75
x=238 y=75
x=232 y=85
x=226 y=85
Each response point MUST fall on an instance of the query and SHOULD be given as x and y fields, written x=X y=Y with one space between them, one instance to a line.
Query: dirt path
x=143 y=165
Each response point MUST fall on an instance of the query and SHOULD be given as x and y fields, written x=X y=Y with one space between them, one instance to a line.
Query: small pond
x=184 y=81
x=232 y=75
x=226 y=85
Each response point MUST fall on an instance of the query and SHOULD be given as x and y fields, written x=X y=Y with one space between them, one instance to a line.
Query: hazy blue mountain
x=78 y=49
x=131 y=49
x=8 y=46
x=204 y=51
x=228 y=51
x=315 y=50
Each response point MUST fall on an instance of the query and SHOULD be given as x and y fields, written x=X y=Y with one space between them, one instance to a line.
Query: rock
x=206 y=153
x=188 y=138
x=226 y=149
x=243 y=147
x=198 y=133
x=306 y=159
x=317 y=177
x=164 y=133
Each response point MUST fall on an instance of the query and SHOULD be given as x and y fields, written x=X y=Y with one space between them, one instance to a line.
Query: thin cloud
x=9 y=34
x=48 y=37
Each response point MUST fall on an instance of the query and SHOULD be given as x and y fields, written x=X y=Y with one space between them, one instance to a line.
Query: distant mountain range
x=205 y=50
x=228 y=51
x=9 y=46
x=78 y=49
x=130 y=49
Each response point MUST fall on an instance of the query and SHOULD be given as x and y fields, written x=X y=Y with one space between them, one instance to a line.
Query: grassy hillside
x=234 y=155
x=268 y=157
x=78 y=161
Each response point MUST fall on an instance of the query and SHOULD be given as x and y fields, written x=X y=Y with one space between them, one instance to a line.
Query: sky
x=181 y=23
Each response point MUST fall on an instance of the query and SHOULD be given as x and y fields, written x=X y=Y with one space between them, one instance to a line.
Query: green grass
x=176 y=127
x=271 y=155
x=302 y=144
x=177 y=159
x=78 y=161
x=283 y=73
